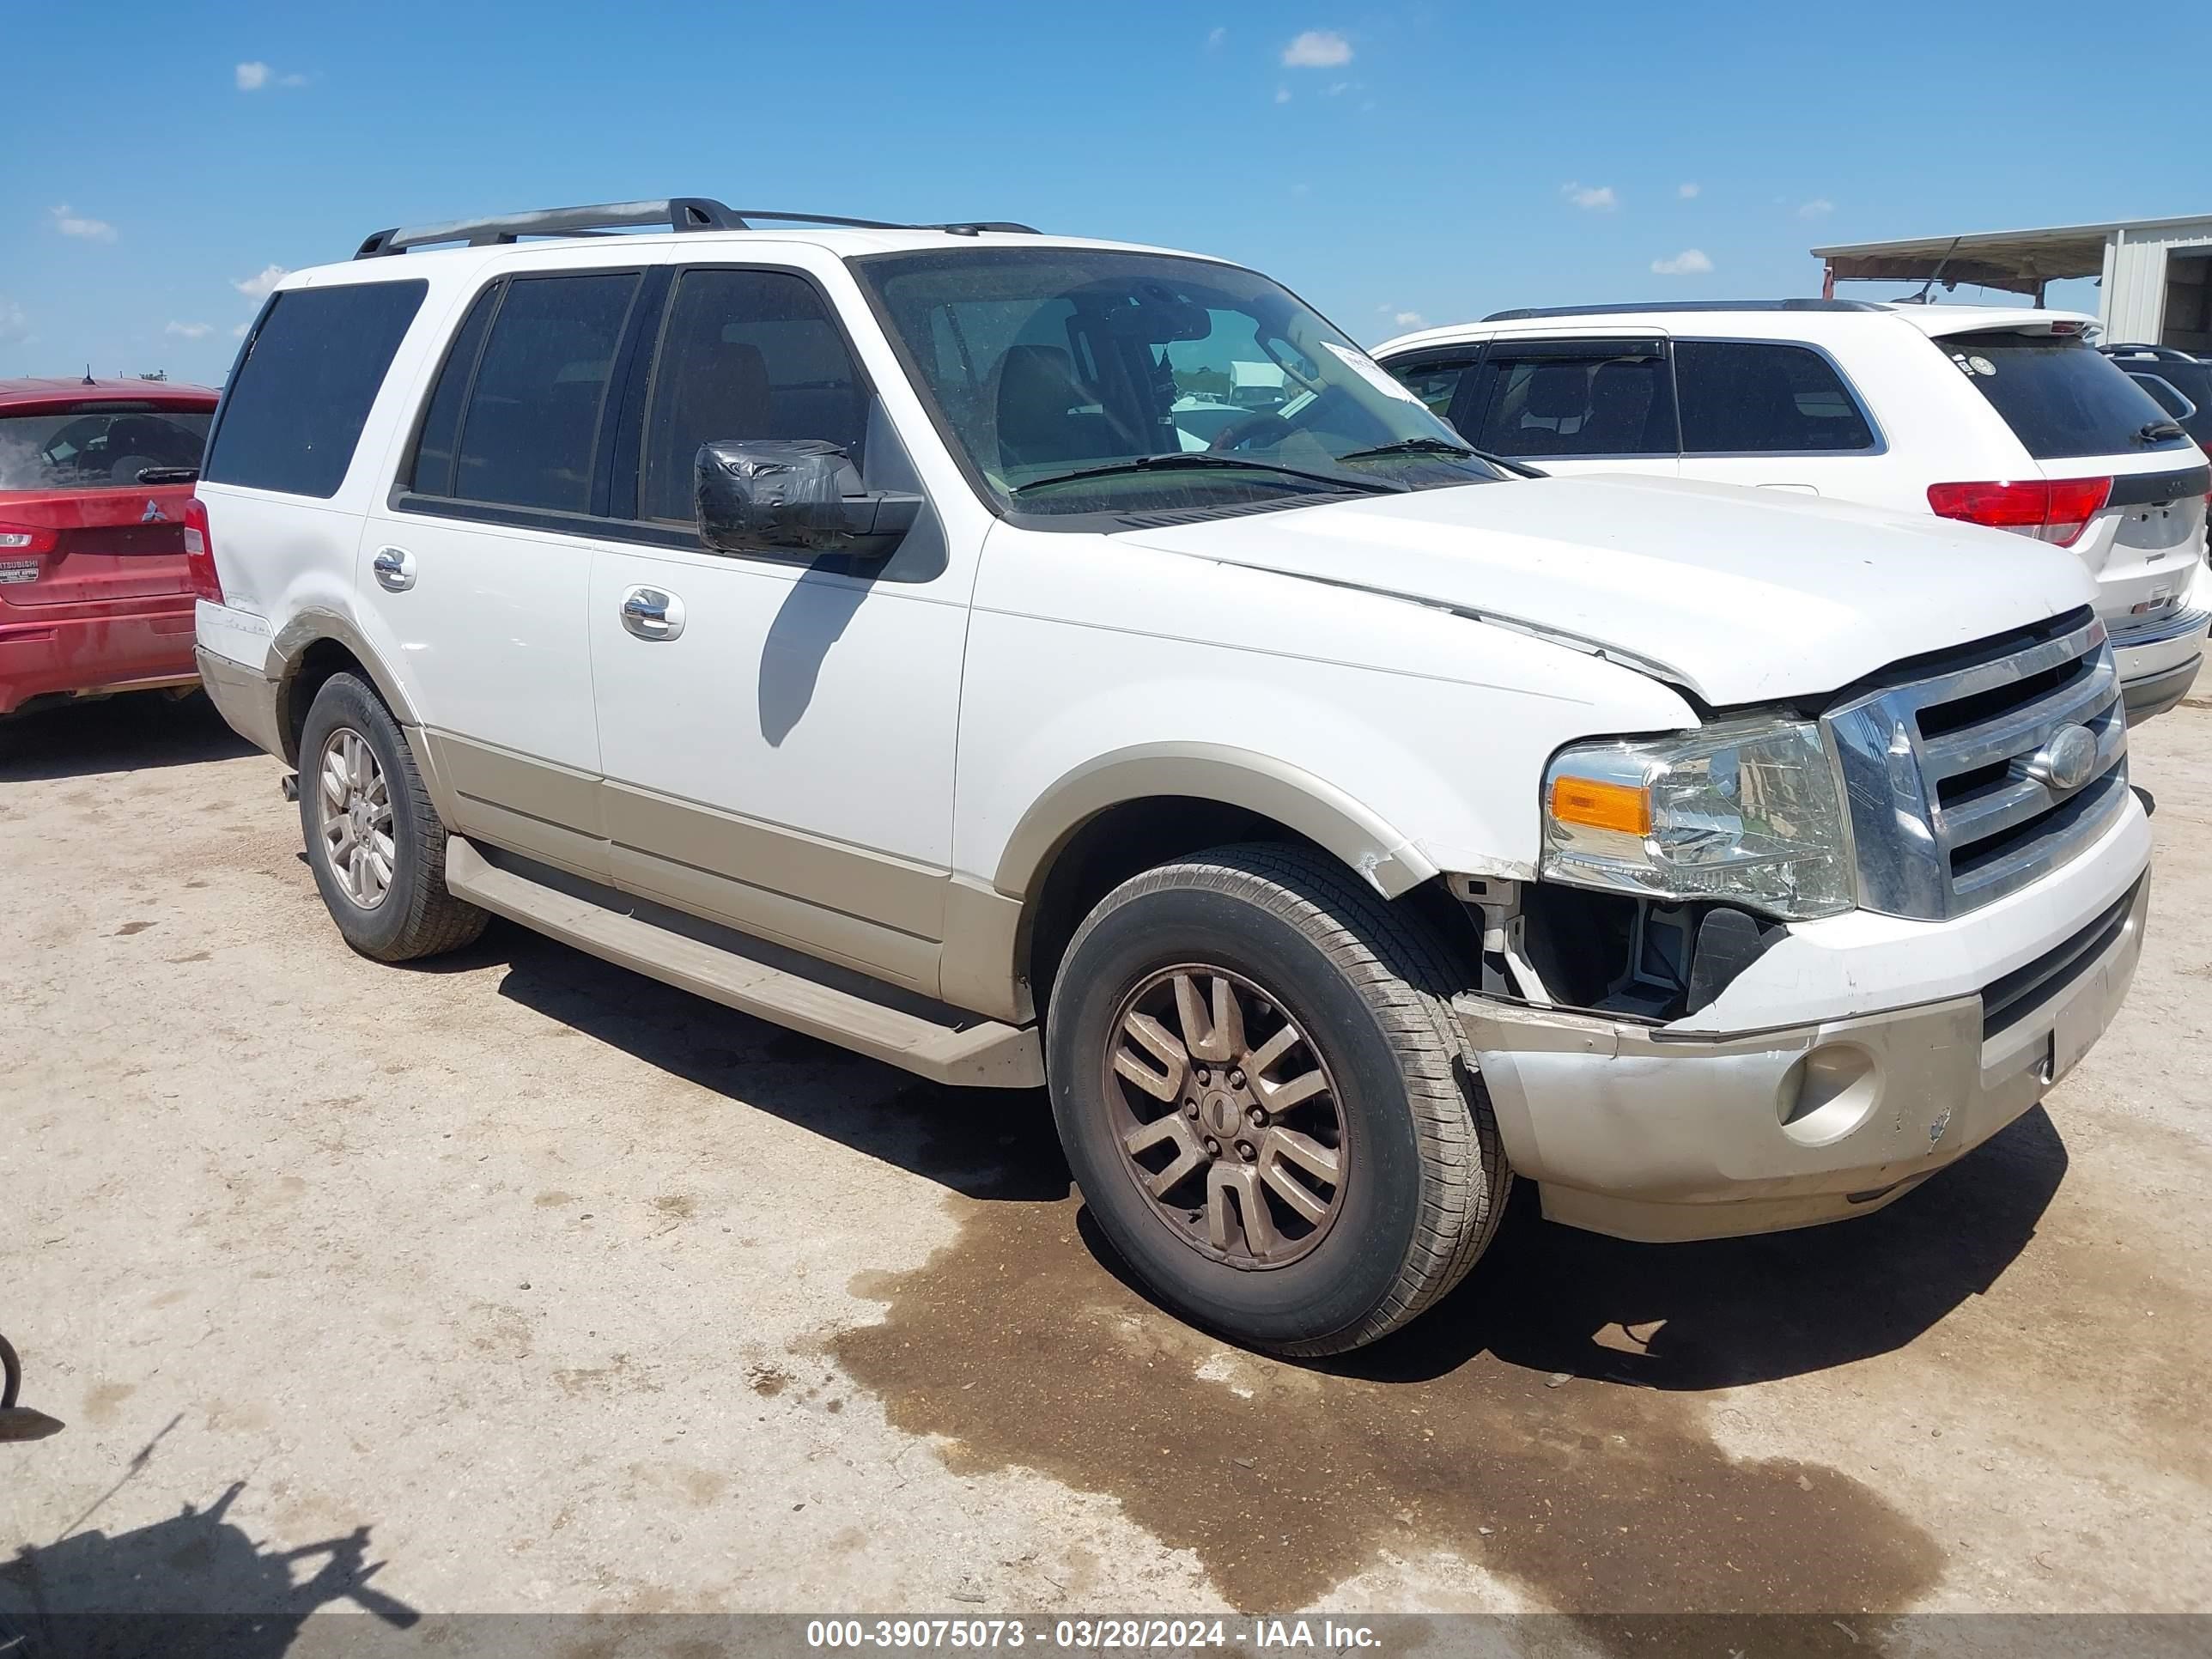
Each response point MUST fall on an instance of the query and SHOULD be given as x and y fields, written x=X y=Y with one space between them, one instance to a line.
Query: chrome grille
x=1948 y=772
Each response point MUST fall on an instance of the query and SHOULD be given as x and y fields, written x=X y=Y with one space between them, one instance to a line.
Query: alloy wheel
x=356 y=817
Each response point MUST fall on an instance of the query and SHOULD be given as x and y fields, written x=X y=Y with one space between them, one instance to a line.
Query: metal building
x=2155 y=272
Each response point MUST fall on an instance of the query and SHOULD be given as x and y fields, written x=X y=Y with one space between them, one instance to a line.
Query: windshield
x=1075 y=381
x=105 y=447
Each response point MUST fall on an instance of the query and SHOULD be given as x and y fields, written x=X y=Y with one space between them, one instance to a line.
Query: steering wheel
x=1237 y=434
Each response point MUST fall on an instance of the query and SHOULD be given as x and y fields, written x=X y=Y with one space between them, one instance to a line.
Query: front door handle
x=650 y=613
x=394 y=568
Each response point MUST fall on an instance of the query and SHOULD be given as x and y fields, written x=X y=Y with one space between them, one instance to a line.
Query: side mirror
x=795 y=495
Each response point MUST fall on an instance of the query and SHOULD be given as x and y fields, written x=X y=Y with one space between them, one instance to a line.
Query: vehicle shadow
x=1545 y=1297
x=193 y=1585
x=126 y=733
x=981 y=1143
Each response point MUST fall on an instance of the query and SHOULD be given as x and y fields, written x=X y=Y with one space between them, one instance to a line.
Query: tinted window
x=532 y=424
x=1747 y=399
x=298 y=399
x=747 y=354
x=432 y=473
x=2061 y=398
x=1575 y=405
x=1434 y=383
x=105 y=447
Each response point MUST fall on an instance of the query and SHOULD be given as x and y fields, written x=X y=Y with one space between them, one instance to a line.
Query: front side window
x=103 y=446
x=747 y=354
x=301 y=393
x=531 y=431
x=1074 y=382
x=1584 y=400
x=2062 y=398
x=1751 y=398
x=1435 y=382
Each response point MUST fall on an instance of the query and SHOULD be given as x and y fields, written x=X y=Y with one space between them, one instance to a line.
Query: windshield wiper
x=1199 y=460
x=1440 y=447
x=169 y=474
x=2151 y=431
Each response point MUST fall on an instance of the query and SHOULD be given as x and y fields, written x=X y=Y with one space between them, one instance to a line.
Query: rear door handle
x=650 y=613
x=394 y=568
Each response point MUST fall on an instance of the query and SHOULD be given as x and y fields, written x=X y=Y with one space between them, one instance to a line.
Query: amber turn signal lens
x=1596 y=805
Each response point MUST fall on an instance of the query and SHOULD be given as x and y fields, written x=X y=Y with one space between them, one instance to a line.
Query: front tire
x=374 y=841
x=1262 y=1095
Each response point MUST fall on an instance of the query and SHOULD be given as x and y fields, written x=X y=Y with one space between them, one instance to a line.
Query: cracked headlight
x=1748 y=812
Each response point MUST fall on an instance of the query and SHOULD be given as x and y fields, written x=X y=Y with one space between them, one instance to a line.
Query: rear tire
x=1265 y=1100
x=374 y=842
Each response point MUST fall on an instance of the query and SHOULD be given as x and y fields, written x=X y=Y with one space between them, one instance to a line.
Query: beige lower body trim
x=245 y=697
x=526 y=805
x=983 y=967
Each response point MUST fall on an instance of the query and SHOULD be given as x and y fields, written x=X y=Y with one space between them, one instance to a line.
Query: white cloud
x=239 y=333
x=251 y=77
x=190 y=330
x=1599 y=197
x=1215 y=37
x=291 y=80
x=74 y=224
x=1282 y=95
x=1338 y=88
x=1690 y=262
x=256 y=286
x=1687 y=192
x=1818 y=208
x=1409 y=318
x=14 y=326
x=1317 y=49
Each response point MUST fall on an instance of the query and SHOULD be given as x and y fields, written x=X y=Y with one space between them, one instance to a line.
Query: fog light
x=1828 y=1094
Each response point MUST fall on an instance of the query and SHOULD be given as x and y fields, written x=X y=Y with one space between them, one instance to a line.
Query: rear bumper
x=243 y=697
x=78 y=655
x=2159 y=663
x=1655 y=1133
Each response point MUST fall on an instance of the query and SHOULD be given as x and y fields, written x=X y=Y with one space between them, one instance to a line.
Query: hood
x=1739 y=595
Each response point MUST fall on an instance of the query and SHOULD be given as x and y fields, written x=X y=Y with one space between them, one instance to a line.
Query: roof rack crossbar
x=1527 y=312
x=676 y=213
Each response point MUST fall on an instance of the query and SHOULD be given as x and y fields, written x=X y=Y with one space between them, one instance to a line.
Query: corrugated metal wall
x=2135 y=277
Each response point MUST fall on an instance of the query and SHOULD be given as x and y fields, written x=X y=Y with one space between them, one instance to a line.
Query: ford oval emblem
x=2066 y=760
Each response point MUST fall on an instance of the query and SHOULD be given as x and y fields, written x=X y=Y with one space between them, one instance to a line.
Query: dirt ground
x=547 y=1287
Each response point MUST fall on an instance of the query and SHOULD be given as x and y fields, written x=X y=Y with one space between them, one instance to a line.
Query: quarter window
x=301 y=393
x=1557 y=403
x=747 y=354
x=531 y=428
x=1747 y=398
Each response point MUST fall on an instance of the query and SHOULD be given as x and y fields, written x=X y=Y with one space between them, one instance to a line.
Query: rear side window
x=530 y=430
x=747 y=354
x=1561 y=404
x=1435 y=383
x=299 y=399
x=432 y=473
x=2061 y=398
x=1749 y=398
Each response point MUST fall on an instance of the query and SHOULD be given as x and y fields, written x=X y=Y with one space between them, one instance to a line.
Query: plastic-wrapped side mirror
x=795 y=495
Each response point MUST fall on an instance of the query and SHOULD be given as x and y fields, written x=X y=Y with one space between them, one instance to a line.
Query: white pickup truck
x=835 y=620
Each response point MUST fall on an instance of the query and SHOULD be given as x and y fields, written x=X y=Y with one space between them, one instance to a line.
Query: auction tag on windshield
x=18 y=571
x=1373 y=373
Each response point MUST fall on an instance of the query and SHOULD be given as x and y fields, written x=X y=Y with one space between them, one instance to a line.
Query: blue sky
x=1390 y=162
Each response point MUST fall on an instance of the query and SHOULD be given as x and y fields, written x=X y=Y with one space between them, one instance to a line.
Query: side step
x=984 y=1054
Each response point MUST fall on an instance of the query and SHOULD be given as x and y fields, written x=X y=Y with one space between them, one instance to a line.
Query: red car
x=94 y=476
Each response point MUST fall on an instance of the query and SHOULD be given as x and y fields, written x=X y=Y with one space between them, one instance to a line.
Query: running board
x=982 y=1055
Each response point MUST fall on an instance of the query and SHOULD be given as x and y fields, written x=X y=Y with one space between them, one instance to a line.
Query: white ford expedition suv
x=884 y=631
x=2000 y=416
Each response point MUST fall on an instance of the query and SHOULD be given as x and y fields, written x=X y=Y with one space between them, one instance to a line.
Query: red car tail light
x=23 y=539
x=199 y=553
x=2050 y=512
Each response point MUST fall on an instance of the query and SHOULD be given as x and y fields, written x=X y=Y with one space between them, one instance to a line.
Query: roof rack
x=1682 y=305
x=677 y=213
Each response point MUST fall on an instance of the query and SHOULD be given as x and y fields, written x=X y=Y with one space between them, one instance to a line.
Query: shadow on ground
x=190 y=1586
x=1546 y=1298
x=126 y=733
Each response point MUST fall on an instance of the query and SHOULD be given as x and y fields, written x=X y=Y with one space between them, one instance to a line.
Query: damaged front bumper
x=1655 y=1132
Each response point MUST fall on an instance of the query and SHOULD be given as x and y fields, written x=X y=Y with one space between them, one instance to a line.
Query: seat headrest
x=1558 y=392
